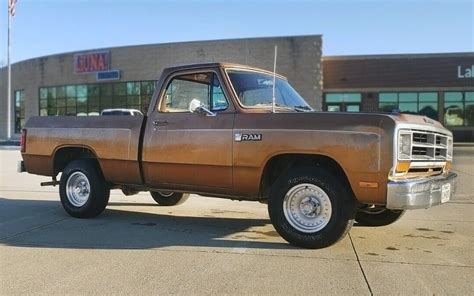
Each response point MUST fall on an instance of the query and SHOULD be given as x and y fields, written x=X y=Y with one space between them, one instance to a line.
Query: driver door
x=185 y=150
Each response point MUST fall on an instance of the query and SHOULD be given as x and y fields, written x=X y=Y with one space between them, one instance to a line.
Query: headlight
x=404 y=145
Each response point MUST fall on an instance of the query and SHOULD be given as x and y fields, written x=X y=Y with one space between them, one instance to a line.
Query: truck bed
x=113 y=139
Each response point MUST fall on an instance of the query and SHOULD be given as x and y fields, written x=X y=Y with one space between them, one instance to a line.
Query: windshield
x=255 y=89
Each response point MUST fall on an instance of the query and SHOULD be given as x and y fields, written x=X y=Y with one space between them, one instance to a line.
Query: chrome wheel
x=78 y=189
x=166 y=193
x=307 y=208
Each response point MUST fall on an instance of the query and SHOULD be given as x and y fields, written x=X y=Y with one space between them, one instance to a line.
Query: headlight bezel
x=404 y=145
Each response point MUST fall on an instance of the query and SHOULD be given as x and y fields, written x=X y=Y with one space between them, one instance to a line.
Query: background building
x=66 y=84
x=440 y=86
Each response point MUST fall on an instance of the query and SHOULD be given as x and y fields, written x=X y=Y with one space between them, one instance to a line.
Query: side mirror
x=195 y=106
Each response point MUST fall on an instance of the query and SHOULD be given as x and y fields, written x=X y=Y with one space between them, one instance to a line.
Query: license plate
x=445 y=192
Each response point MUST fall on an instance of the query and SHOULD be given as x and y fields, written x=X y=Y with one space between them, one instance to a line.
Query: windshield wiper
x=303 y=108
x=291 y=108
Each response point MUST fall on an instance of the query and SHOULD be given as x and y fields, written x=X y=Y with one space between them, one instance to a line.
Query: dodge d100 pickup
x=242 y=133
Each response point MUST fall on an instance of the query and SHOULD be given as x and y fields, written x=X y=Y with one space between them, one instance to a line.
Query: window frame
x=234 y=93
x=160 y=105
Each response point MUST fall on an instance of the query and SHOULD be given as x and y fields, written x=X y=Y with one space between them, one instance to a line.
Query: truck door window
x=205 y=87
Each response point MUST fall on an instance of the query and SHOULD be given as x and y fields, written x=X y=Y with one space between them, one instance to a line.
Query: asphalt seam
x=360 y=265
x=246 y=253
x=31 y=229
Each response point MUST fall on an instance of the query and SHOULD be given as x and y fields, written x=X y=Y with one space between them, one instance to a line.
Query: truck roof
x=221 y=65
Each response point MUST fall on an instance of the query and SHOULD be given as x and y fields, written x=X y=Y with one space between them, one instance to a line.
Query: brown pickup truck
x=237 y=132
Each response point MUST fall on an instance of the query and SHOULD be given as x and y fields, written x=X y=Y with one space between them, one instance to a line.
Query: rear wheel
x=168 y=198
x=311 y=208
x=83 y=190
x=377 y=216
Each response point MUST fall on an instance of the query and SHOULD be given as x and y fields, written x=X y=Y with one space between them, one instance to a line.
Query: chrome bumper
x=420 y=193
x=21 y=167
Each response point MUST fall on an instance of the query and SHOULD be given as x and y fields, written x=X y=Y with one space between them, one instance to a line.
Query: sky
x=44 y=27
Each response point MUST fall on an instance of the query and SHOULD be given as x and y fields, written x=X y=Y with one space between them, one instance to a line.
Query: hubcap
x=307 y=208
x=78 y=189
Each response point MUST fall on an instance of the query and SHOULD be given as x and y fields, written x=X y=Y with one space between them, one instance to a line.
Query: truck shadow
x=44 y=224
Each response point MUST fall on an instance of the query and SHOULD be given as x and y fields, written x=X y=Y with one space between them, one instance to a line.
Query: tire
x=83 y=190
x=378 y=216
x=321 y=198
x=168 y=199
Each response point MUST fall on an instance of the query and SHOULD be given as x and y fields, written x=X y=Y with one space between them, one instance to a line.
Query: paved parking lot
x=210 y=246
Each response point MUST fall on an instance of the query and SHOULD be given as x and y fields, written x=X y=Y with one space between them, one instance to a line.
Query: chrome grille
x=429 y=146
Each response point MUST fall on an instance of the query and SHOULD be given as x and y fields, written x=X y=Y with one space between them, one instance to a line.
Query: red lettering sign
x=92 y=62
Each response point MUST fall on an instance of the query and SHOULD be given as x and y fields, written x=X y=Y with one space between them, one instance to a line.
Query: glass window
x=91 y=99
x=148 y=87
x=43 y=93
x=204 y=87
x=52 y=93
x=343 y=98
x=255 y=90
x=353 y=108
x=334 y=108
x=82 y=91
x=342 y=102
x=60 y=92
x=183 y=89
x=19 y=110
x=459 y=108
x=106 y=89
x=133 y=88
x=93 y=90
x=71 y=91
x=407 y=97
x=423 y=103
x=388 y=98
x=428 y=97
x=453 y=96
x=120 y=89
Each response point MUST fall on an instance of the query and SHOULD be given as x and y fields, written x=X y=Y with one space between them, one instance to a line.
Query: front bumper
x=420 y=193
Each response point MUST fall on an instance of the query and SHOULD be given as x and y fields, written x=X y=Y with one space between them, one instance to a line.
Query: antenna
x=274 y=77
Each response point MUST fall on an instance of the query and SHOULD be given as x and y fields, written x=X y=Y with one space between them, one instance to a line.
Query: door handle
x=159 y=122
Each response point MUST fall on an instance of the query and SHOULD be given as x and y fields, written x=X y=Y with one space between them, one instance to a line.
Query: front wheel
x=311 y=208
x=377 y=216
x=165 y=198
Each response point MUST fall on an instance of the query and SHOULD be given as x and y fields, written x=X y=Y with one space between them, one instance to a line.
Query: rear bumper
x=21 y=167
x=420 y=193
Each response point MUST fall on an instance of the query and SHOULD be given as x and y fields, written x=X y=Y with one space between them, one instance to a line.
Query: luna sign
x=92 y=62
x=466 y=72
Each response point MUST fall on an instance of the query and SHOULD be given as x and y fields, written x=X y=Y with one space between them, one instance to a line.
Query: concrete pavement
x=211 y=246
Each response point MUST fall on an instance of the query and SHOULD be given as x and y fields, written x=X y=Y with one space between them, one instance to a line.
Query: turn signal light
x=448 y=166
x=402 y=167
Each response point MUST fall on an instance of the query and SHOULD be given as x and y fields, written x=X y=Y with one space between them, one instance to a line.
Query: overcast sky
x=43 y=27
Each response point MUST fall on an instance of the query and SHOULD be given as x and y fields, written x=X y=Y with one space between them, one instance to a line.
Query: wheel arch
x=278 y=164
x=64 y=155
